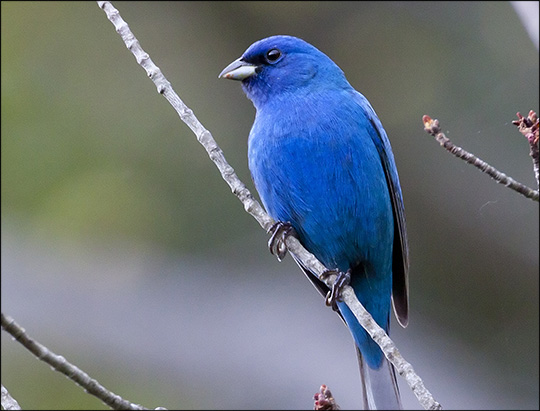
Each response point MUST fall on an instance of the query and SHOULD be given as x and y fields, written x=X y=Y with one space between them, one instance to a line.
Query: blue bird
x=323 y=167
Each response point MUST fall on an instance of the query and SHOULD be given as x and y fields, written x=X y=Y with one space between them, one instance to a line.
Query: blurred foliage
x=90 y=152
x=85 y=152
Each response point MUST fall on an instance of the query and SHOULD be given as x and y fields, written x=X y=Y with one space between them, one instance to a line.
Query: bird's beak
x=238 y=70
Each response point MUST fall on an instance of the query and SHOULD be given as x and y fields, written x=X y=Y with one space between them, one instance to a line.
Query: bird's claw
x=280 y=231
x=334 y=295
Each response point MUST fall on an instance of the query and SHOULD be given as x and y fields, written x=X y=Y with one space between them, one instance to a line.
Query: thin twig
x=431 y=126
x=324 y=400
x=8 y=402
x=255 y=209
x=528 y=126
x=60 y=364
x=186 y=115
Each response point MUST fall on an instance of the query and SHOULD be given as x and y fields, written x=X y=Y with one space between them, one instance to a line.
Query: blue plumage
x=321 y=161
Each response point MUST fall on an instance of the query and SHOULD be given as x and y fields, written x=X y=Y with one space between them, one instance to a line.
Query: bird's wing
x=400 y=258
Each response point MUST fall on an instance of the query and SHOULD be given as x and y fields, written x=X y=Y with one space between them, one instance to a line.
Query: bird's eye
x=273 y=55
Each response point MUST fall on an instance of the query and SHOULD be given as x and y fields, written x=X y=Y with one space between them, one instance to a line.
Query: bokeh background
x=125 y=251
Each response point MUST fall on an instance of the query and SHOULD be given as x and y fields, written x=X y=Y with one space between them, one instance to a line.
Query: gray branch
x=255 y=209
x=8 y=402
x=530 y=128
x=60 y=364
x=431 y=126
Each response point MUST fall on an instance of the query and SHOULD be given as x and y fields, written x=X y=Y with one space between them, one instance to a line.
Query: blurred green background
x=124 y=250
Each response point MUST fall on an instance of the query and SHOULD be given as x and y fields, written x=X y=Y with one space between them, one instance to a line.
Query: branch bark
x=60 y=364
x=8 y=402
x=431 y=126
x=529 y=127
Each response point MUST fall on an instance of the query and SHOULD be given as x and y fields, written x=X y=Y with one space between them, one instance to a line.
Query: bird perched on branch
x=323 y=166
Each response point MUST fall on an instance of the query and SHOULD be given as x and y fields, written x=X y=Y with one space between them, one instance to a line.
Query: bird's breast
x=324 y=176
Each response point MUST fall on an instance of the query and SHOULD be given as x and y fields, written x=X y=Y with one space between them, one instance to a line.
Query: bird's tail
x=380 y=389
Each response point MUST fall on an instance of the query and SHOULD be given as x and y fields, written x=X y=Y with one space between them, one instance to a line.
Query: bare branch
x=255 y=209
x=528 y=126
x=431 y=126
x=8 y=402
x=186 y=115
x=60 y=364
x=324 y=400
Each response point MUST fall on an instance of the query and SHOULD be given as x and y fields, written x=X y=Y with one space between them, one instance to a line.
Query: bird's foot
x=279 y=233
x=334 y=295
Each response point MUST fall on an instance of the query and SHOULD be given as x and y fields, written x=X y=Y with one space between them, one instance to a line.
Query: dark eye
x=273 y=55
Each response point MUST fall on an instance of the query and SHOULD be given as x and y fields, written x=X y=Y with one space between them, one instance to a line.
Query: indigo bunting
x=324 y=169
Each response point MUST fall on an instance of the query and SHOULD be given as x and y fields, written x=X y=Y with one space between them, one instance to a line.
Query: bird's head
x=278 y=65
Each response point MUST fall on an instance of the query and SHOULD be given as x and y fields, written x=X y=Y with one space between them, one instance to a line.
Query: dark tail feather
x=379 y=386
